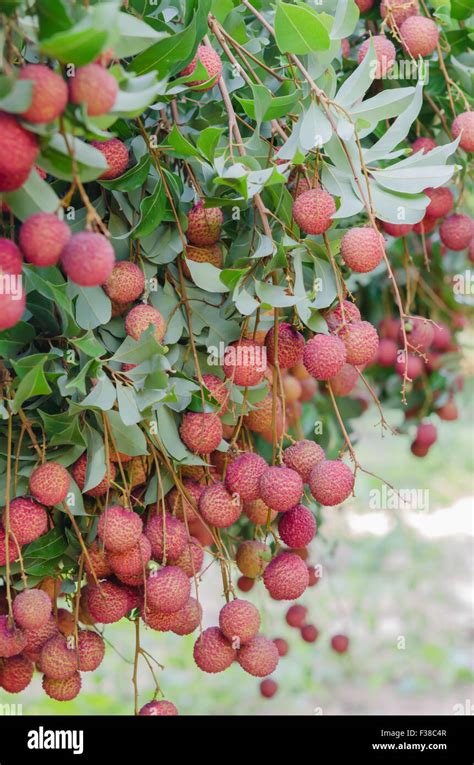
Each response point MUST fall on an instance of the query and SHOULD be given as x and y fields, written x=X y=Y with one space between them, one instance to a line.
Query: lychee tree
x=227 y=229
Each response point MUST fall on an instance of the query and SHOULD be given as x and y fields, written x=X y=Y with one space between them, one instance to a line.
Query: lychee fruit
x=345 y=381
x=108 y=603
x=302 y=456
x=58 y=660
x=243 y=475
x=424 y=144
x=397 y=229
x=282 y=646
x=296 y=615
x=281 y=488
x=49 y=483
x=156 y=620
x=259 y=657
x=79 y=471
x=88 y=259
x=297 y=527
x=119 y=529
x=140 y=318
x=166 y=533
x=16 y=673
x=65 y=621
x=258 y=513
x=252 y=558
x=339 y=643
x=32 y=609
x=211 y=61
x=42 y=238
x=187 y=619
x=181 y=506
x=213 y=652
x=18 y=151
x=309 y=633
x=448 y=411
x=386 y=352
x=158 y=708
x=126 y=282
x=419 y=36
x=344 y=313
x=168 y=589
x=201 y=431
x=218 y=507
x=457 y=231
x=91 y=650
x=313 y=211
x=361 y=342
x=292 y=389
x=442 y=337
x=49 y=93
x=116 y=156
x=426 y=434
x=385 y=55
x=95 y=87
x=13 y=548
x=37 y=638
x=260 y=418
x=268 y=688
x=62 y=690
x=244 y=363
x=211 y=254
x=11 y=261
x=239 y=620
x=464 y=123
x=425 y=226
x=364 y=5
x=362 y=249
x=28 y=520
x=414 y=365
x=245 y=584
x=286 y=576
x=420 y=333
x=441 y=202
x=133 y=561
x=389 y=327
x=12 y=639
x=324 y=356
x=218 y=390
x=399 y=11
x=290 y=346
x=204 y=225
x=331 y=482
x=192 y=557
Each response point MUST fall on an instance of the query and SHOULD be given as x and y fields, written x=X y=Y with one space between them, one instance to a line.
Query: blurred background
x=397 y=582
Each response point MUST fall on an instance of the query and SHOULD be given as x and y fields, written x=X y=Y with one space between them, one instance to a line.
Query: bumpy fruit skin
x=131 y=562
x=313 y=211
x=243 y=476
x=339 y=643
x=362 y=249
x=62 y=690
x=464 y=122
x=425 y=226
x=342 y=314
x=302 y=457
x=218 y=390
x=399 y=11
x=180 y=506
x=297 y=527
x=296 y=615
x=58 y=661
x=18 y=151
x=268 y=688
x=424 y=144
x=79 y=470
x=441 y=203
x=16 y=674
x=239 y=620
x=49 y=483
x=421 y=334
x=140 y=318
x=426 y=434
x=414 y=365
x=158 y=708
x=168 y=589
x=290 y=346
x=12 y=639
x=331 y=482
x=12 y=309
x=260 y=419
x=42 y=238
x=259 y=657
x=32 y=609
x=116 y=155
x=218 y=507
x=387 y=352
x=201 y=432
x=11 y=261
x=324 y=356
x=93 y=86
x=204 y=225
x=49 y=93
x=211 y=254
x=397 y=229
x=88 y=259
x=419 y=36
x=192 y=557
x=13 y=548
x=252 y=557
x=457 y=231
x=309 y=633
x=281 y=488
x=126 y=282
x=361 y=342
x=212 y=651
x=187 y=619
x=385 y=54
x=286 y=577
x=244 y=363
x=107 y=604
x=119 y=529
x=37 y=638
x=211 y=61
x=168 y=533
x=28 y=520
x=91 y=649
x=345 y=381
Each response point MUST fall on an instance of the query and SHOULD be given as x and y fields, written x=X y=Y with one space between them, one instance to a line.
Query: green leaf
x=132 y=178
x=34 y=383
x=34 y=196
x=96 y=466
x=82 y=43
x=93 y=307
x=135 y=35
x=128 y=408
x=102 y=395
x=46 y=547
x=55 y=158
x=15 y=95
x=89 y=345
x=298 y=29
x=345 y=19
x=135 y=351
x=129 y=439
x=14 y=339
x=206 y=276
x=152 y=211
x=53 y=17
x=180 y=146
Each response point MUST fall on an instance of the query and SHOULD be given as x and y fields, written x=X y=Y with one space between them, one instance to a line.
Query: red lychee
x=448 y=411
x=126 y=283
x=302 y=456
x=140 y=318
x=58 y=660
x=345 y=381
x=281 y=488
x=108 y=603
x=239 y=621
x=245 y=584
x=260 y=418
x=91 y=650
x=168 y=589
x=426 y=434
x=313 y=211
x=297 y=527
x=344 y=313
x=116 y=155
x=268 y=688
x=419 y=36
x=442 y=337
x=42 y=238
x=361 y=342
x=18 y=151
x=32 y=609
x=286 y=576
x=309 y=633
x=282 y=646
x=414 y=365
x=464 y=123
x=425 y=226
x=385 y=55
x=243 y=475
x=12 y=308
x=389 y=327
x=158 y=708
x=28 y=520
x=211 y=254
x=290 y=346
x=397 y=229
x=168 y=534
x=211 y=61
x=218 y=507
x=88 y=259
x=49 y=483
x=13 y=548
x=340 y=643
x=362 y=249
x=119 y=529
x=213 y=652
x=258 y=513
x=324 y=356
x=16 y=674
x=259 y=657
x=11 y=261
x=95 y=87
x=49 y=93
x=62 y=690
x=331 y=482
x=79 y=471
x=133 y=561
x=181 y=506
x=399 y=12
x=218 y=390
x=187 y=619
x=419 y=332
x=457 y=231
x=12 y=639
x=386 y=352
x=37 y=638
x=252 y=557
x=296 y=615
x=204 y=225
x=201 y=431
x=245 y=363
x=424 y=144
x=441 y=203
